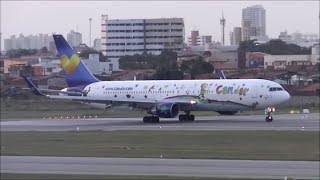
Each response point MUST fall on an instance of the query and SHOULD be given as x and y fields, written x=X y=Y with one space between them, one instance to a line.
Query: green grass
x=64 y=176
x=259 y=145
x=39 y=107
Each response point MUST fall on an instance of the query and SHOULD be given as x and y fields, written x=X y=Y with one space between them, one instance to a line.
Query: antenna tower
x=222 y=23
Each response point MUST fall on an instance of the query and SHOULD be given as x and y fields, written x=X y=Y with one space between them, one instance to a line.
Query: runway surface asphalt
x=160 y=167
x=308 y=122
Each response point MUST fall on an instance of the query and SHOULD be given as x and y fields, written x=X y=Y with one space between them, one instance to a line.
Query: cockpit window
x=275 y=89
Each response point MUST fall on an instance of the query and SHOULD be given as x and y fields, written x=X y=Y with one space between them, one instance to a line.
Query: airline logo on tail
x=70 y=65
x=75 y=71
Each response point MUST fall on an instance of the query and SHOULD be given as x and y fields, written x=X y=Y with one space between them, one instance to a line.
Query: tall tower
x=90 y=19
x=222 y=23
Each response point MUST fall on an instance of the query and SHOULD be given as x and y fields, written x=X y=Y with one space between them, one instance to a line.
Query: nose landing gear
x=269 y=119
x=268 y=112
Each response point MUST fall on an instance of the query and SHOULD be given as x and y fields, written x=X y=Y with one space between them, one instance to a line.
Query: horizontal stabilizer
x=32 y=87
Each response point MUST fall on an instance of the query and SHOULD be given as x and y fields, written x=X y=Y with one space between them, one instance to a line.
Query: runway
x=308 y=122
x=158 y=167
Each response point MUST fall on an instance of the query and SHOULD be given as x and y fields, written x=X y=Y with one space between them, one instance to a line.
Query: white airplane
x=163 y=98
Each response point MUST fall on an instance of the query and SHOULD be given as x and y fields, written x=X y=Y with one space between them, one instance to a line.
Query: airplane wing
x=138 y=103
x=40 y=92
x=55 y=91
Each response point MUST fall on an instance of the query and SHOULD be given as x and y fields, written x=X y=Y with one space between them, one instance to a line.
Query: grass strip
x=255 y=145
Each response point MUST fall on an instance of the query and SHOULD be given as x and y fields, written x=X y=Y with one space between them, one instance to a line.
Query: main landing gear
x=151 y=119
x=186 y=117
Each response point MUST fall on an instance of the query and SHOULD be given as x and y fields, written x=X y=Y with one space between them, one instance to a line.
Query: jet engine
x=166 y=110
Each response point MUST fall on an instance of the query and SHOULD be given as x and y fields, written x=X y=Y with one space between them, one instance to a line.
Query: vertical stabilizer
x=75 y=71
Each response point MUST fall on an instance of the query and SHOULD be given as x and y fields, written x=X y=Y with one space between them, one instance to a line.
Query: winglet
x=220 y=73
x=32 y=87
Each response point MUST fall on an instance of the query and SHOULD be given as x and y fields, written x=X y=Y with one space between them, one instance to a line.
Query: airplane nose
x=286 y=96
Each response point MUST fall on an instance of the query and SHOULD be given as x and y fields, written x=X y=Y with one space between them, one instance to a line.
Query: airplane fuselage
x=213 y=94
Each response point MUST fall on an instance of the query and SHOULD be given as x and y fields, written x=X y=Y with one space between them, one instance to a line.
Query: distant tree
x=103 y=58
x=16 y=53
x=274 y=47
x=196 y=66
x=163 y=73
x=44 y=49
x=85 y=53
x=26 y=71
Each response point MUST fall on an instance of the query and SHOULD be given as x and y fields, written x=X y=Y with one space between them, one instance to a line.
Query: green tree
x=44 y=49
x=163 y=73
x=274 y=47
x=16 y=53
x=196 y=66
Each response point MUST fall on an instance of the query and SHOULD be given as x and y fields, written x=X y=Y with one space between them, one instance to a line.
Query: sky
x=34 y=17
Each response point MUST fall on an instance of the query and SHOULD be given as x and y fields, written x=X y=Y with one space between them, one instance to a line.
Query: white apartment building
x=74 y=38
x=97 y=44
x=281 y=61
x=96 y=67
x=253 y=22
x=28 y=42
x=304 y=40
x=235 y=36
x=50 y=65
x=121 y=37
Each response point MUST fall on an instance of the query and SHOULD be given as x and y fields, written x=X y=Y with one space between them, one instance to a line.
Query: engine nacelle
x=166 y=110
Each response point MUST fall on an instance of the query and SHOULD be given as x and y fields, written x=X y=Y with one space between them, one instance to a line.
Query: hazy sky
x=33 y=17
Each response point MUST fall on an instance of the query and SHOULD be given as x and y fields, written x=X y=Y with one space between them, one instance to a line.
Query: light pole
x=90 y=19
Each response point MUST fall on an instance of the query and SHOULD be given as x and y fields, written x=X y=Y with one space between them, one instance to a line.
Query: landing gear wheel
x=182 y=117
x=269 y=119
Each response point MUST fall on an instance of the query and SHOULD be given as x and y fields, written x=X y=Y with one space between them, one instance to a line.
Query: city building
x=304 y=40
x=96 y=67
x=196 y=40
x=253 y=22
x=97 y=44
x=284 y=61
x=193 y=39
x=74 y=38
x=11 y=62
x=255 y=59
x=28 y=42
x=121 y=37
x=49 y=66
x=235 y=36
x=224 y=57
x=280 y=62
